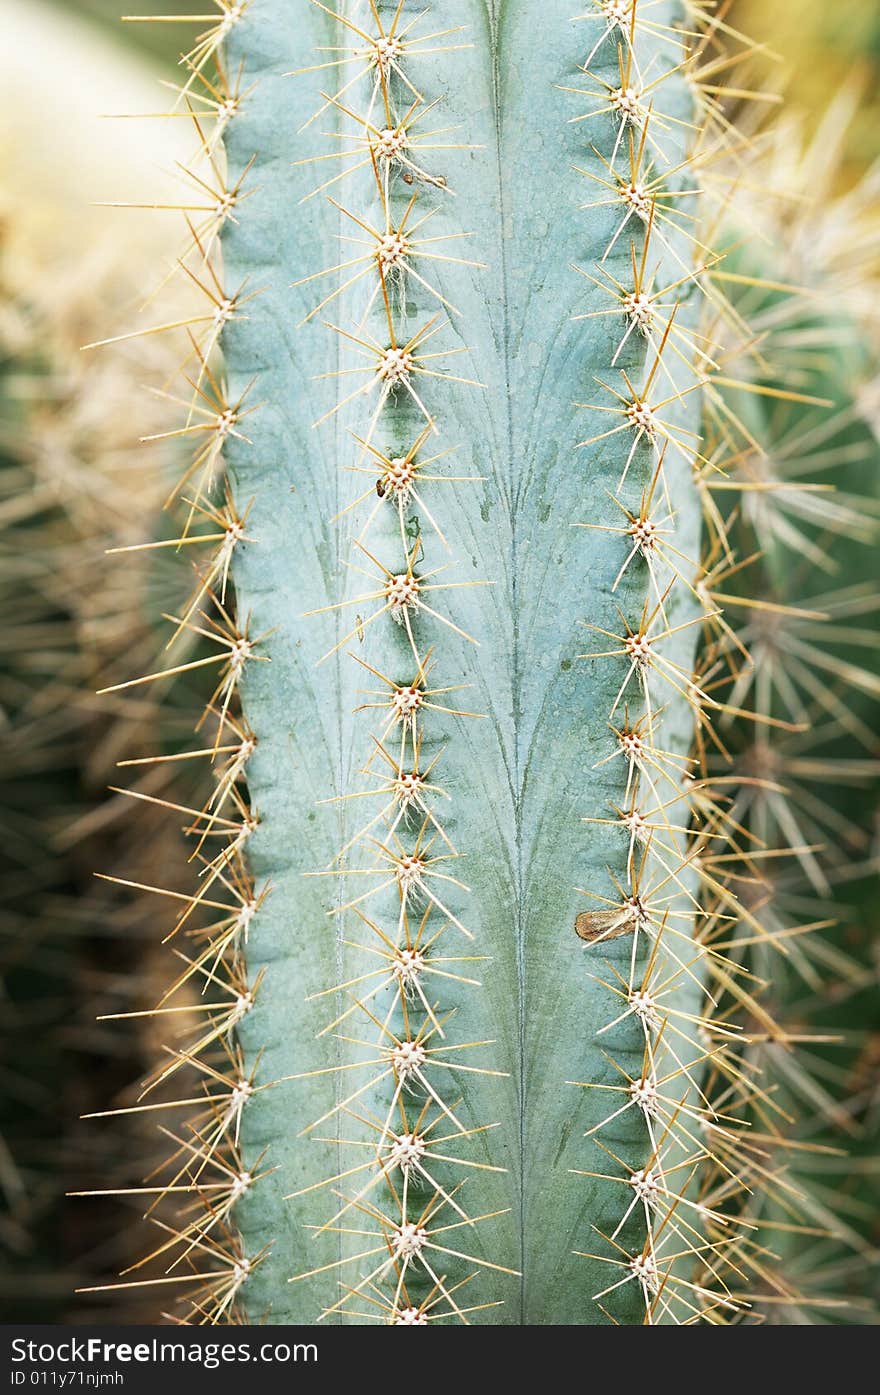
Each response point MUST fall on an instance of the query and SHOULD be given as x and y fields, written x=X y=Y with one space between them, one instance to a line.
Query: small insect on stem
x=593 y=926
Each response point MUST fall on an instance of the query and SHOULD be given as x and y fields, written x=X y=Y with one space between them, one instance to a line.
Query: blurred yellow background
x=824 y=48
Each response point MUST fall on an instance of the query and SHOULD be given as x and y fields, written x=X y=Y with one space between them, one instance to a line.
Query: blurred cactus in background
x=808 y=499
x=806 y=511
x=70 y=949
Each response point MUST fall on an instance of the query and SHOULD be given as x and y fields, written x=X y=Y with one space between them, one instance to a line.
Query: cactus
x=468 y=958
